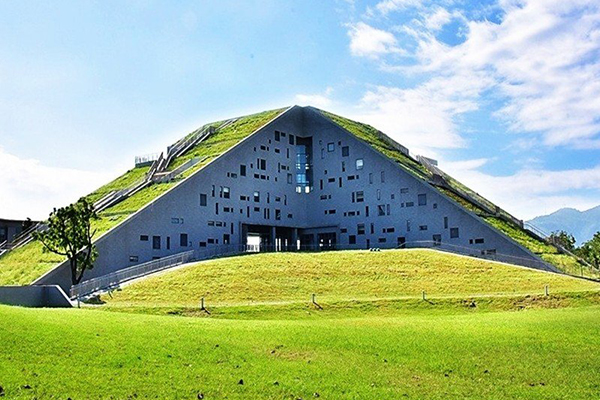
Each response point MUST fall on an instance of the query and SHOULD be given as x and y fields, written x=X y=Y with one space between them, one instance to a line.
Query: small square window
x=359 y=163
x=454 y=233
x=330 y=147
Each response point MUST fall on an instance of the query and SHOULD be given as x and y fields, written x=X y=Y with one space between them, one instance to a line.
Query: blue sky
x=505 y=94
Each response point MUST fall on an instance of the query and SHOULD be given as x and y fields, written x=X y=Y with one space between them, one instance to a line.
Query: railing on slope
x=21 y=239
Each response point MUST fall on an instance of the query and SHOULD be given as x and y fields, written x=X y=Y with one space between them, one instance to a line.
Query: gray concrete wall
x=326 y=209
x=34 y=296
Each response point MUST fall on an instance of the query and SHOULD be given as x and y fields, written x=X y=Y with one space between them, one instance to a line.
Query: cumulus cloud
x=366 y=41
x=30 y=189
x=319 y=100
x=531 y=191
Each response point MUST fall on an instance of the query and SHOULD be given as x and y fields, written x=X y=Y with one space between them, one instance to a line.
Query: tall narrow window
x=382 y=176
x=345 y=151
x=256 y=197
x=156 y=242
x=183 y=240
x=242 y=169
x=445 y=222
x=202 y=199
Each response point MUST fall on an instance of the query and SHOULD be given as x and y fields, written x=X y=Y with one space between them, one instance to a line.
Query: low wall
x=34 y=296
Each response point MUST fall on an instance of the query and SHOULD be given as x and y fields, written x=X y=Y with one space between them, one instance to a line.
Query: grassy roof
x=26 y=264
x=499 y=220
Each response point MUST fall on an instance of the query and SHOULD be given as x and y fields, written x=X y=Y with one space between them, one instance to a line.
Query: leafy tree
x=563 y=239
x=590 y=250
x=69 y=234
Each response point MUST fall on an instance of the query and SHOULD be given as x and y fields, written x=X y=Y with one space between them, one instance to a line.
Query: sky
x=504 y=94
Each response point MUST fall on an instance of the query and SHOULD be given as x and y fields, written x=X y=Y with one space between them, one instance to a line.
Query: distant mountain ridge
x=581 y=224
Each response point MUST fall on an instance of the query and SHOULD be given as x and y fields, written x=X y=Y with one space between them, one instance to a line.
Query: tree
x=590 y=250
x=69 y=233
x=563 y=239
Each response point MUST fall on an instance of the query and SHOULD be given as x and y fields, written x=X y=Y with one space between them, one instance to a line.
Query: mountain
x=581 y=224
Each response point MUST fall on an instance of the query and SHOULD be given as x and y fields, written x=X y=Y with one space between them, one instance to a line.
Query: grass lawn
x=337 y=276
x=92 y=354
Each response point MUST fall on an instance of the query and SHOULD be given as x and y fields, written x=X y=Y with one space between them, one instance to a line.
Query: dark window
x=133 y=258
x=202 y=244
x=257 y=196
x=370 y=177
x=156 y=242
x=262 y=164
x=479 y=241
x=445 y=222
x=437 y=240
x=352 y=239
x=422 y=227
x=183 y=240
x=225 y=238
x=381 y=209
x=422 y=199
x=168 y=242
x=203 y=200
x=367 y=211
x=345 y=151
x=242 y=170
x=225 y=192
x=330 y=147
x=382 y=176
x=359 y=163
x=277 y=136
x=277 y=214
x=360 y=229
x=212 y=191
x=144 y=238
x=453 y=233
x=291 y=138
x=358 y=197
x=404 y=190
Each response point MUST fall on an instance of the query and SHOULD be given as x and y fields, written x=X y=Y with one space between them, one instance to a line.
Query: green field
x=89 y=354
x=485 y=330
x=338 y=276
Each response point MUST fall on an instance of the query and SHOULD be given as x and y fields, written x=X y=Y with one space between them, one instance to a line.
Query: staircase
x=156 y=174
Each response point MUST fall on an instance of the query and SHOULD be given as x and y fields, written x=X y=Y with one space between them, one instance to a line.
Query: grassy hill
x=90 y=354
x=337 y=276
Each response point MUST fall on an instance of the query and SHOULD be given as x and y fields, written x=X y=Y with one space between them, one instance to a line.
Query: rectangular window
x=156 y=242
x=330 y=147
x=479 y=241
x=345 y=151
x=422 y=199
x=360 y=229
x=226 y=238
x=404 y=190
x=370 y=178
x=343 y=166
x=291 y=138
x=256 y=197
x=372 y=228
x=352 y=239
x=289 y=178
x=225 y=192
x=381 y=209
x=445 y=222
x=454 y=233
x=382 y=176
x=203 y=200
x=410 y=203
x=422 y=227
x=408 y=225
x=277 y=214
x=133 y=258
x=437 y=240
x=277 y=136
x=359 y=163
x=378 y=194
x=367 y=211
x=144 y=238
x=202 y=244
x=183 y=240
x=168 y=242
x=243 y=170
x=212 y=191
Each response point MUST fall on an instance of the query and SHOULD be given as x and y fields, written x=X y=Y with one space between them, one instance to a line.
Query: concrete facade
x=34 y=296
x=10 y=228
x=356 y=198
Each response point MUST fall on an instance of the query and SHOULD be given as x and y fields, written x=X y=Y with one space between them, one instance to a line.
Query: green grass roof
x=24 y=265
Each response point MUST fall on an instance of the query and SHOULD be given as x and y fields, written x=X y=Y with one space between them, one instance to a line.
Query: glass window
x=225 y=192
x=144 y=238
x=453 y=233
x=359 y=163
x=330 y=147
x=202 y=199
x=242 y=170
x=156 y=242
x=345 y=151
x=183 y=240
x=257 y=196
x=422 y=198
x=381 y=210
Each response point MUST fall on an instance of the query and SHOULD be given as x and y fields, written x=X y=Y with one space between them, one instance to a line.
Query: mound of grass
x=332 y=276
x=90 y=354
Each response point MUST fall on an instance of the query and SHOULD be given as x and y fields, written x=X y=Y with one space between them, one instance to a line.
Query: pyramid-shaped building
x=295 y=179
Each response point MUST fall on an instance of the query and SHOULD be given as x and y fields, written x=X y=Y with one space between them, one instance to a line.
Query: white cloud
x=29 y=189
x=530 y=192
x=316 y=100
x=366 y=41
x=542 y=57
x=387 y=6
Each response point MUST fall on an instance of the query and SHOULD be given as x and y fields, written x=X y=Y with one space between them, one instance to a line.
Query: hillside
x=335 y=276
x=581 y=224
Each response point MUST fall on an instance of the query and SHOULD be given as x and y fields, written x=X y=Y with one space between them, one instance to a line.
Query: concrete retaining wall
x=34 y=296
